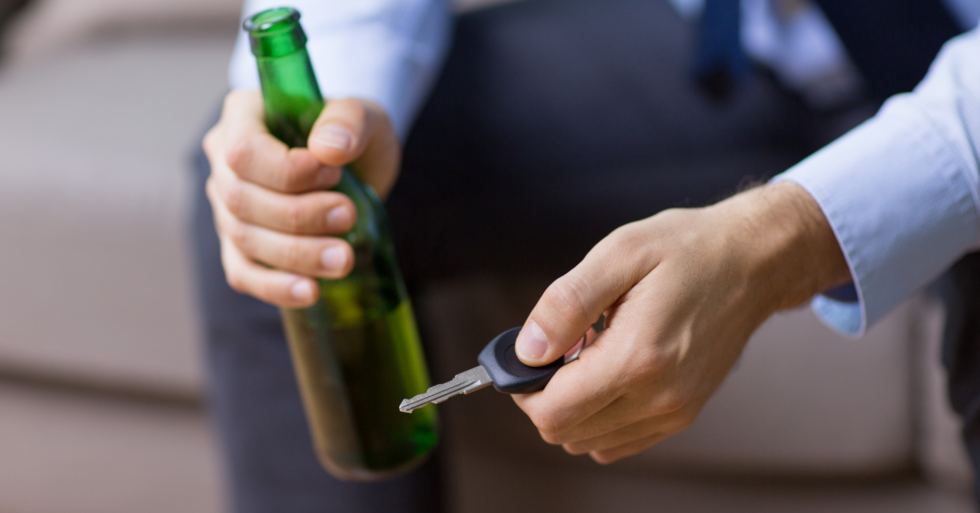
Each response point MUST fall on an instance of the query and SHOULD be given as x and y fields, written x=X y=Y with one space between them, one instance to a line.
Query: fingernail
x=339 y=217
x=531 y=343
x=302 y=290
x=334 y=258
x=334 y=136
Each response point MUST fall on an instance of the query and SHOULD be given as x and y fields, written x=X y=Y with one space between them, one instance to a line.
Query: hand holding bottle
x=351 y=330
x=270 y=202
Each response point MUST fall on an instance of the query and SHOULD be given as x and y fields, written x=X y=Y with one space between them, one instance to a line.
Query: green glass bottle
x=356 y=352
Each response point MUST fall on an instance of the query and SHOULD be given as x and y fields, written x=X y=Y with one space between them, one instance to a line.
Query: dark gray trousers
x=960 y=290
x=554 y=122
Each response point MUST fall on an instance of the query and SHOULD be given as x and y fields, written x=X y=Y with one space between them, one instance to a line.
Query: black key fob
x=508 y=373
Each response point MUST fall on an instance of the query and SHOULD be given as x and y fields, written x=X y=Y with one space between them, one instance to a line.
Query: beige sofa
x=101 y=405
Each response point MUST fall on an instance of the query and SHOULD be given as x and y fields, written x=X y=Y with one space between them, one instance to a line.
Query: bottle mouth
x=271 y=21
x=275 y=32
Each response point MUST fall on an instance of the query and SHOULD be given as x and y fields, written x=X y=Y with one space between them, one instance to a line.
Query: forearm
x=782 y=243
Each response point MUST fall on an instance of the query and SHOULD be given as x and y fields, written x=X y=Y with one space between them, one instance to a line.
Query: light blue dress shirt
x=902 y=191
x=388 y=51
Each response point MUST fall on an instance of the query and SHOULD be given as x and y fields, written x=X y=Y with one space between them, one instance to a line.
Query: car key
x=499 y=366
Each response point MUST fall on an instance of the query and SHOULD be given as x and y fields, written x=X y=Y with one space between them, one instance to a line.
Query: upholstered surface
x=96 y=289
x=94 y=188
x=65 y=452
x=48 y=26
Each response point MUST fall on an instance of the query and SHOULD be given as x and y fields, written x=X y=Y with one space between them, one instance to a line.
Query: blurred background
x=101 y=385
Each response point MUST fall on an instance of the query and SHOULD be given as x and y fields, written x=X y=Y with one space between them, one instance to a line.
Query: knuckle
x=234 y=197
x=648 y=363
x=235 y=280
x=239 y=233
x=290 y=176
x=628 y=240
x=293 y=217
x=234 y=100
x=548 y=427
x=292 y=254
x=549 y=438
x=209 y=188
x=208 y=144
x=240 y=155
x=566 y=298
x=624 y=235
x=269 y=292
x=602 y=457
x=231 y=99
x=670 y=402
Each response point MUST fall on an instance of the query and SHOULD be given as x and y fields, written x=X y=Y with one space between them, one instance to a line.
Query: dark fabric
x=719 y=61
x=557 y=121
x=960 y=288
x=892 y=42
x=255 y=403
x=553 y=123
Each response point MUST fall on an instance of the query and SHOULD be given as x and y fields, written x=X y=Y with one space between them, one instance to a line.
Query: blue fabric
x=720 y=61
x=892 y=42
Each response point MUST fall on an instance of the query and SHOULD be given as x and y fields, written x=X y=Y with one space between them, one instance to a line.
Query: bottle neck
x=289 y=88
x=291 y=94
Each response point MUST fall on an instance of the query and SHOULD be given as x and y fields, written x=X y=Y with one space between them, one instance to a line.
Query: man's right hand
x=271 y=204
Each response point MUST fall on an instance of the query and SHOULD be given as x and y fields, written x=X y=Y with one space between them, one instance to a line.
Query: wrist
x=785 y=244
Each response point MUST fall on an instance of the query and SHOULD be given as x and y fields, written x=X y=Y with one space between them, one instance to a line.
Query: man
x=555 y=122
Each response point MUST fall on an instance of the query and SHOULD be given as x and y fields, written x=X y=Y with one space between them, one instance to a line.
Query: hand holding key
x=681 y=292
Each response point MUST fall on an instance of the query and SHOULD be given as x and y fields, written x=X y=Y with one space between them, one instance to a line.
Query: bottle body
x=356 y=352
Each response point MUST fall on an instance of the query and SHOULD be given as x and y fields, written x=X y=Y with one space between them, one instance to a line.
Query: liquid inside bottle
x=356 y=352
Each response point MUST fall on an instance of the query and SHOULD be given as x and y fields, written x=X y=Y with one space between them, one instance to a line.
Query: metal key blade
x=469 y=381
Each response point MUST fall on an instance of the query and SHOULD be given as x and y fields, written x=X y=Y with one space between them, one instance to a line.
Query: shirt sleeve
x=388 y=51
x=902 y=191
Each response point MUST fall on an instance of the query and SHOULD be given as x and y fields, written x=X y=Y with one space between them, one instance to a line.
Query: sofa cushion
x=94 y=196
x=65 y=452
x=47 y=26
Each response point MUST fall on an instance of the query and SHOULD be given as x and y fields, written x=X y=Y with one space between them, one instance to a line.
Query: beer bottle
x=356 y=352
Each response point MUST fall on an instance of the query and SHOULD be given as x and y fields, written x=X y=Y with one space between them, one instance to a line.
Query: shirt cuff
x=900 y=203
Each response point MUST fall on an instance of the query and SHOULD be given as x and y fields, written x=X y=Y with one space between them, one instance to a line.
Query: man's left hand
x=682 y=293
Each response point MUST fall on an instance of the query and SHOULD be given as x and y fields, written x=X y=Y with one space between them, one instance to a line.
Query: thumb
x=356 y=131
x=575 y=301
